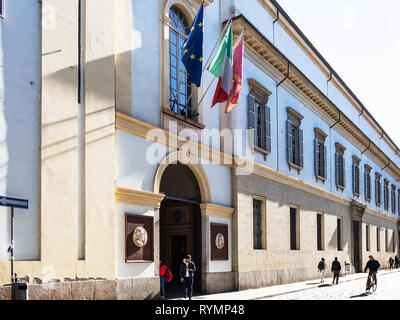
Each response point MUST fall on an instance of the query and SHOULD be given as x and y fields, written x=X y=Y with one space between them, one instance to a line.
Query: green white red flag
x=222 y=68
x=238 y=52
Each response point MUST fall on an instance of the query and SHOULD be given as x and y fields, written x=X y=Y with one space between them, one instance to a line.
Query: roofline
x=308 y=42
x=241 y=16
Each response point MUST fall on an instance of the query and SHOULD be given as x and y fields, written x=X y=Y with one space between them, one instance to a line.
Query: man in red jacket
x=163 y=271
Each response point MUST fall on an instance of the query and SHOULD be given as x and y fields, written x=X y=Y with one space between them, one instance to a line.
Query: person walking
x=391 y=261
x=336 y=267
x=187 y=270
x=322 y=268
x=163 y=272
x=396 y=261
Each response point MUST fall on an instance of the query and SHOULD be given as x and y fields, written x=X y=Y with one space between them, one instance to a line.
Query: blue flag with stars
x=192 y=51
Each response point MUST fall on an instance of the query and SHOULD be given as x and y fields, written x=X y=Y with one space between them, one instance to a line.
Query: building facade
x=123 y=167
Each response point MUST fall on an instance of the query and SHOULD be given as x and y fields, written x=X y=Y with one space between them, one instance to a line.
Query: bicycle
x=371 y=283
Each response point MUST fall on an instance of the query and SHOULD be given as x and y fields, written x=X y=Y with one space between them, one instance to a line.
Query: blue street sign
x=13 y=202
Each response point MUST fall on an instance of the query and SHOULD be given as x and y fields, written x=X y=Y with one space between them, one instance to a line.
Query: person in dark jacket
x=396 y=261
x=187 y=271
x=336 y=267
x=373 y=266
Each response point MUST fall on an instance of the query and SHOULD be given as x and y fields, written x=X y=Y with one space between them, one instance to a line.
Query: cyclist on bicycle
x=373 y=266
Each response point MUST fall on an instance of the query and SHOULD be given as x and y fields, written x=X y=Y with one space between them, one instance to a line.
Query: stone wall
x=126 y=289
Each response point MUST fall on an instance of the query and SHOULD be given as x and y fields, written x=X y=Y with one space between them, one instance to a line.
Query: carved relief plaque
x=219 y=242
x=138 y=238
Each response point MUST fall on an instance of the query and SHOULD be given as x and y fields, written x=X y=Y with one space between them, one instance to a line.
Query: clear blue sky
x=361 y=40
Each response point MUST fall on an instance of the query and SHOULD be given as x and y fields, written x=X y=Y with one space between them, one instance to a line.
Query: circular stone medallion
x=219 y=241
x=139 y=237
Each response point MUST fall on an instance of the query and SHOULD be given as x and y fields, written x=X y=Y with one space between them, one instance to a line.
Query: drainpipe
x=327 y=84
x=369 y=146
x=277 y=113
x=340 y=114
x=330 y=148
x=273 y=25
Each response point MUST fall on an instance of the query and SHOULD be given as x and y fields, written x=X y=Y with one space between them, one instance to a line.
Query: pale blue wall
x=19 y=125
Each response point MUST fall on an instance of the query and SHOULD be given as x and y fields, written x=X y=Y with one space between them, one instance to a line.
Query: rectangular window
x=367 y=238
x=378 y=190
x=259 y=119
x=339 y=234
x=386 y=240
x=340 y=167
x=257 y=221
x=294 y=139
x=1 y=8
x=367 y=183
x=320 y=154
x=356 y=176
x=320 y=232
x=393 y=242
x=378 y=239
x=393 y=199
x=386 y=194
x=398 y=201
x=294 y=229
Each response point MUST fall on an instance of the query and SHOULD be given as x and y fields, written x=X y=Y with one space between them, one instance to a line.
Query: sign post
x=13 y=203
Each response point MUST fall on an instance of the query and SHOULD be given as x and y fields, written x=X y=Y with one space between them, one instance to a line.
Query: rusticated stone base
x=218 y=282
x=5 y=293
x=124 y=289
x=138 y=288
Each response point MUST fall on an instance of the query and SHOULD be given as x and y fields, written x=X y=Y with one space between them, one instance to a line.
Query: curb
x=313 y=287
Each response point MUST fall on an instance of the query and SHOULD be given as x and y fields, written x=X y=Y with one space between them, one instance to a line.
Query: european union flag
x=192 y=51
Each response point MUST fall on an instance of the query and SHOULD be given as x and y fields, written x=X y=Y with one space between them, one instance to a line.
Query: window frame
x=261 y=97
x=378 y=239
x=339 y=234
x=294 y=246
x=378 y=190
x=263 y=222
x=356 y=176
x=320 y=155
x=340 y=163
x=294 y=146
x=367 y=183
x=367 y=237
x=321 y=232
x=386 y=199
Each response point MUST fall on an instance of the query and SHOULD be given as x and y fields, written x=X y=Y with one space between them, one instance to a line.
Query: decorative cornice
x=214 y=210
x=139 y=128
x=265 y=52
x=139 y=198
x=286 y=25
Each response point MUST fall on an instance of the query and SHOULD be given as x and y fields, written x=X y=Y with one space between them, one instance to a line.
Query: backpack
x=321 y=265
x=168 y=275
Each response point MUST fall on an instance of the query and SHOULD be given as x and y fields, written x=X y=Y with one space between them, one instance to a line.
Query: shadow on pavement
x=324 y=285
x=360 y=295
x=312 y=283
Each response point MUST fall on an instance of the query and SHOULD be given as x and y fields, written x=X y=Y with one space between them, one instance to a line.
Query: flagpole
x=208 y=60
x=202 y=98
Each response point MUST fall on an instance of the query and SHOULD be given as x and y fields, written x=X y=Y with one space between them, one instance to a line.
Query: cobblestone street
x=388 y=289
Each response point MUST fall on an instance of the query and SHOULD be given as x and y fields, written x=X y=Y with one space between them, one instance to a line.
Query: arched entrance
x=180 y=223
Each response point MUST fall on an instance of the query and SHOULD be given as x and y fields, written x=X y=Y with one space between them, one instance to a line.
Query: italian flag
x=222 y=68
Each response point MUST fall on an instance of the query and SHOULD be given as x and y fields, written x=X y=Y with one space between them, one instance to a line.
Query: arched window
x=179 y=101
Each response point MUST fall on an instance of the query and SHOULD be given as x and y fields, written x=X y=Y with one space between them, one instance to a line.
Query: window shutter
x=353 y=176
x=344 y=172
x=267 y=129
x=325 y=162
x=289 y=141
x=301 y=158
x=251 y=115
x=1 y=8
x=316 y=157
x=358 y=180
x=376 y=191
x=337 y=169
x=365 y=185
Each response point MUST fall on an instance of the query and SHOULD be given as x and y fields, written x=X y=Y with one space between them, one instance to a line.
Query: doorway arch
x=185 y=186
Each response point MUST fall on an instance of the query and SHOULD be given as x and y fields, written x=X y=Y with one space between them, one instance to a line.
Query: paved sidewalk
x=273 y=291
